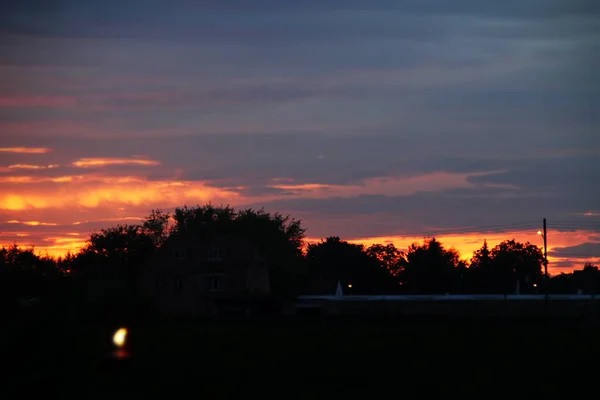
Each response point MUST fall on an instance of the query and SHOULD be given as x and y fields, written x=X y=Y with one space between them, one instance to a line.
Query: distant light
x=350 y=285
x=120 y=336
x=539 y=232
x=535 y=285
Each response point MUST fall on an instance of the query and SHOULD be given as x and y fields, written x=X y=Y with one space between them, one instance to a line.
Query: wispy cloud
x=386 y=120
x=104 y=162
x=25 y=150
x=117 y=194
x=32 y=166
x=75 y=179
x=35 y=101
x=32 y=223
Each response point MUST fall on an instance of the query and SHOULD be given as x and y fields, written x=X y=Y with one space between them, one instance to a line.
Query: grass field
x=305 y=355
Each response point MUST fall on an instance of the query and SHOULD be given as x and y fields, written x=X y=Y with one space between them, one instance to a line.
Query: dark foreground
x=306 y=356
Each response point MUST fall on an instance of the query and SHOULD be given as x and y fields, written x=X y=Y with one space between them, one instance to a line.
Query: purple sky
x=402 y=117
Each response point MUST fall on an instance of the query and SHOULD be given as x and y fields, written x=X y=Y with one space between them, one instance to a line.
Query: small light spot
x=120 y=337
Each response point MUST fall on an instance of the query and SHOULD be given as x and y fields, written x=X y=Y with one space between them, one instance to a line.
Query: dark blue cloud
x=583 y=251
x=458 y=211
x=260 y=20
x=238 y=93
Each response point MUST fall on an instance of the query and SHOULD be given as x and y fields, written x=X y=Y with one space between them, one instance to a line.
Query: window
x=160 y=284
x=215 y=255
x=215 y=284
x=177 y=285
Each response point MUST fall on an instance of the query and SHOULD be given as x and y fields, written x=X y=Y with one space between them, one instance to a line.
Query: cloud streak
x=395 y=119
x=25 y=150
x=103 y=162
x=32 y=166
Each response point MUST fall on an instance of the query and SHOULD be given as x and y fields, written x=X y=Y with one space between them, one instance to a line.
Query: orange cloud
x=36 y=179
x=112 y=180
x=103 y=162
x=31 y=223
x=25 y=150
x=100 y=197
x=118 y=191
x=31 y=166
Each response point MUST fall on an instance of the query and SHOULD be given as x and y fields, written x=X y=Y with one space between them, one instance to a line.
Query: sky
x=380 y=121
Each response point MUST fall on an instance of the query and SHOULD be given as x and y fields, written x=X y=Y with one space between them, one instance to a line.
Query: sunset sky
x=377 y=121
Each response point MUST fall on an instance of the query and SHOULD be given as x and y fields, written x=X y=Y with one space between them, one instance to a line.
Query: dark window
x=160 y=284
x=177 y=285
x=179 y=254
x=215 y=255
x=215 y=284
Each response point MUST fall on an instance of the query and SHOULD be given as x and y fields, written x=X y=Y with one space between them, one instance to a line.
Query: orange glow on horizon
x=58 y=245
x=467 y=244
x=104 y=197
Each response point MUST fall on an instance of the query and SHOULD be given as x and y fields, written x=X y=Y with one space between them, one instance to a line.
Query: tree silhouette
x=514 y=262
x=156 y=225
x=114 y=256
x=562 y=283
x=334 y=260
x=482 y=258
x=430 y=268
x=481 y=273
x=587 y=279
x=121 y=244
x=389 y=257
x=24 y=274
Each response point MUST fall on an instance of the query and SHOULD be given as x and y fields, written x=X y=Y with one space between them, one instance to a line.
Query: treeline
x=295 y=267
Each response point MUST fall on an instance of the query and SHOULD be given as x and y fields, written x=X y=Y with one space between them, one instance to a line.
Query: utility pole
x=546 y=280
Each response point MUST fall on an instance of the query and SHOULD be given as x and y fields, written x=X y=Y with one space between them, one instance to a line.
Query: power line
x=475 y=230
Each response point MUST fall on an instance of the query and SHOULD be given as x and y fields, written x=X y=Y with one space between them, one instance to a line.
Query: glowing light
x=539 y=233
x=120 y=337
x=350 y=286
